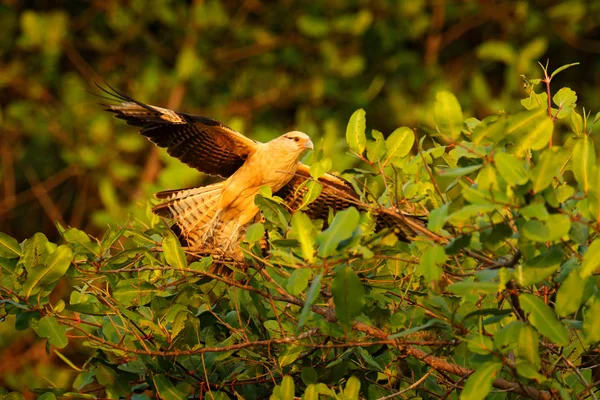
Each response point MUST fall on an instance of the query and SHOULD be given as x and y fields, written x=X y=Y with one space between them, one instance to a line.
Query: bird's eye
x=296 y=139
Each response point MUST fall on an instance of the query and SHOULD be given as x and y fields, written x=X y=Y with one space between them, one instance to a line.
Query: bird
x=213 y=218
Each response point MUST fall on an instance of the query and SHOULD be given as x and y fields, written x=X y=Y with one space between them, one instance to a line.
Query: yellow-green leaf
x=448 y=114
x=355 y=131
x=480 y=382
x=174 y=254
x=584 y=161
x=544 y=319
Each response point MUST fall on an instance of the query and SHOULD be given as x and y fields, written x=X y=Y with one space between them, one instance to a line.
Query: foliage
x=501 y=294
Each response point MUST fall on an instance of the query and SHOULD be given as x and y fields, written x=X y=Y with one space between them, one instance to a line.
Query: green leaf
x=305 y=233
x=559 y=69
x=166 y=389
x=399 y=144
x=287 y=388
x=547 y=168
x=467 y=212
x=53 y=269
x=570 y=294
x=311 y=296
x=544 y=320
x=490 y=131
x=558 y=225
x=35 y=251
x=448 y=114
x=528 y=345
x=188 y=63
x=48 y=327
x=553 y=228
x=312 y=25
x=535 y=100
x=342 y=228
x=565 y=97
x=591 y=322
x=535 y=137
x=576 y=123
x=298 y=281
x=348 y=295
x=456 y=172
x=273 y=211
x=289 y=354
x=352 y=388
x=255 y=232
x=76 y=236
x=313 y=190
x=584 y=162
x=134 y=292
x=437 y=218
x=376 y=148
x=311 y=393
x=480 y=344
x=174 y=254
x=496 y=50
x=479 y=384
x=511 y=169
x=430 y=265
x=355 y=131
x=9 y=247
x=591 y=259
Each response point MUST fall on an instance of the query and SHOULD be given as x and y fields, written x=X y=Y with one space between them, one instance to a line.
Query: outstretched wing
x=202 y=143
x=338 y=194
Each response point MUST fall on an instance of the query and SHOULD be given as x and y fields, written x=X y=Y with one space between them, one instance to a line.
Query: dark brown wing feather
x=339 y=194
x=199 y=142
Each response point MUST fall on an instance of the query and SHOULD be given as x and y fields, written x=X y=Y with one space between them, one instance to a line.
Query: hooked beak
x=309 y=145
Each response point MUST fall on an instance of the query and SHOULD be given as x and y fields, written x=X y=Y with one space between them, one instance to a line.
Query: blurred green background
x=262 y=67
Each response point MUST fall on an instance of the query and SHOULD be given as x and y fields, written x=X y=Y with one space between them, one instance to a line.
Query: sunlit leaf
x=342 y=227
x=355 y=131
x=48 y=327
x=584 y=162
x=448 y=114
x=352 y=388
x=287 y=388
x=174 y=254
x=398 y=144
x=53 y=269
x=166 y=389
x=591 y=259
x=544 y=320
x=511 y=169
x=430 y=266
x=591 y=322
x=9 y=247
x=479 y=384
x=570 y=294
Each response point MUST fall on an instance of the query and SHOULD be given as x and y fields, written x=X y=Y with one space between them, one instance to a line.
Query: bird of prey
x=212 y=218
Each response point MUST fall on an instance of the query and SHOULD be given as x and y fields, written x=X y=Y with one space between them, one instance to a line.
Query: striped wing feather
x=338 y=194
x=199 y=142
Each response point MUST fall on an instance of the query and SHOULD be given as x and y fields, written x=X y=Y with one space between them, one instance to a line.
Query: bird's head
x=297 y=141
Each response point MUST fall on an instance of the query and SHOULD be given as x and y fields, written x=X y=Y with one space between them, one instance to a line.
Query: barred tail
x=193 y=211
